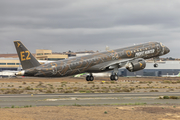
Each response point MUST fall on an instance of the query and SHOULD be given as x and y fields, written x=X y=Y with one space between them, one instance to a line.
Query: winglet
x=26 y=58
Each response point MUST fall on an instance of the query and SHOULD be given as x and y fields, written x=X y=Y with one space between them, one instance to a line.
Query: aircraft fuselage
x=95 y=62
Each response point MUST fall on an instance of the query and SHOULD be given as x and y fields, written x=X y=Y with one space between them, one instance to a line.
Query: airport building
x=10 y=64
x=42 y=54
x=11 y=61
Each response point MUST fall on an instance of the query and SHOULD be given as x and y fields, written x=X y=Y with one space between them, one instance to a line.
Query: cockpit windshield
x=162 y=45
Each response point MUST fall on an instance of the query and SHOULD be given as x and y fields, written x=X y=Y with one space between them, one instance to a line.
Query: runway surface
x=86 y=99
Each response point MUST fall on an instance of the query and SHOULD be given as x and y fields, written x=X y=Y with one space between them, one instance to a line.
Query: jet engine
x=135 y=65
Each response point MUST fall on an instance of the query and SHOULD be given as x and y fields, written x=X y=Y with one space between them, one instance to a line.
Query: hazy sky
x=78 y=25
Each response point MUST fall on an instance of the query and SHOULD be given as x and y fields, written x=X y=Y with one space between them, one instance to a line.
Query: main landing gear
x=89 y=77
x=114 y=77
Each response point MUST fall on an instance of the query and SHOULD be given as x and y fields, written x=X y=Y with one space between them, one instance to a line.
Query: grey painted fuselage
x=98 y=62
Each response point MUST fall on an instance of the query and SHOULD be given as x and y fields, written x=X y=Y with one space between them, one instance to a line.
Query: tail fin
x=26 y=58
x=178 y=74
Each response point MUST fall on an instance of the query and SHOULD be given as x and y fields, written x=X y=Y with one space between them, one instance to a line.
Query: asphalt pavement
x=21 y=100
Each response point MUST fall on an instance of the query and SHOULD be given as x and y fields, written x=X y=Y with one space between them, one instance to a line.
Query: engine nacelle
x=136 y=65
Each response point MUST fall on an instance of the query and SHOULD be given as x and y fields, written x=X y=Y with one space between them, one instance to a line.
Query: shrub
x=166 y=97
x=28 y=88
x=178 y=81
x=173 y=97
x=154 y=91
x=24 y=83
x=105 y=112
x=49 y=91
x=167 y=81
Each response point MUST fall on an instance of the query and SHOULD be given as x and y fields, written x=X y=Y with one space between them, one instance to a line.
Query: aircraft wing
x=115 y=64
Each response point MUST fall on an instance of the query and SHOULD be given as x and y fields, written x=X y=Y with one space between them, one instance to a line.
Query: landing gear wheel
x=155 y=65
x=89 y=78
x=114 y=77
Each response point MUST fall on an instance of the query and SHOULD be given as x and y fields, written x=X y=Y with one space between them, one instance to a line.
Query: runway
x=86 y=99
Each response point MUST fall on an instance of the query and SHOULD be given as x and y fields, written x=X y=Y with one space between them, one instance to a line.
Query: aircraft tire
x=112 y=77
x=91 y=78
x=87 y=78
x=155 y=65
x=115 y=77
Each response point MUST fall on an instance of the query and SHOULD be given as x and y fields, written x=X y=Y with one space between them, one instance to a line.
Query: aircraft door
x=158 y=48
x=162 y=48
x=54 y=69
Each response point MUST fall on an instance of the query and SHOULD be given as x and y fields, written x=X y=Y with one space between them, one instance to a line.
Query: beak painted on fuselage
x=166 y=50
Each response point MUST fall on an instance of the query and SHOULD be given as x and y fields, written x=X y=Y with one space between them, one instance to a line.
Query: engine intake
x=135 y=65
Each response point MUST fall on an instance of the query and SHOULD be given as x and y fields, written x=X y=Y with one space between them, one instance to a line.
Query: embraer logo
x=25 y=55
x=140 y=64
x=18 y=44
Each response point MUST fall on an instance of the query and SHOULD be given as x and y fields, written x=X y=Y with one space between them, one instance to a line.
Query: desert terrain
x=91 y=112
x=80 y=85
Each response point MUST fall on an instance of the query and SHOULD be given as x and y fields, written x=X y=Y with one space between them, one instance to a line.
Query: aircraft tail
x=178 y=75
x=26 y=58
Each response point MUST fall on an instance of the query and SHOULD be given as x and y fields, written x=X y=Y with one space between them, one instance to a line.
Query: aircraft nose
x=167 y=50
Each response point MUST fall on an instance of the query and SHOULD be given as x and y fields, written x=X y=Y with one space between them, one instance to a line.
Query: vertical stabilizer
x=178 y=75
x=26 y=58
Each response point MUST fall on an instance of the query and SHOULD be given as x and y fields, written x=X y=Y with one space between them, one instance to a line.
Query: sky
x=79 y=25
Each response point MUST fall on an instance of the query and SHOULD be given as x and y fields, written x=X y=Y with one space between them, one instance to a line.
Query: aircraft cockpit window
x=161 y=44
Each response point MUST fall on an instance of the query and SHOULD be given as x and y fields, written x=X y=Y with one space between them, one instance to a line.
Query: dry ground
x=92 y=113
x=155 y=112
x=82 y=79
x=80 y=85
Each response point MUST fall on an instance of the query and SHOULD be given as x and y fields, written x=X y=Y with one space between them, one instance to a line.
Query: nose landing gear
x=155 y=65
x=155 y=60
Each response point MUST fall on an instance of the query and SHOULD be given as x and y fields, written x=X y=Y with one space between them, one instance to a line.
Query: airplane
x=8 y=73
x=133 y=58
x=178 y=75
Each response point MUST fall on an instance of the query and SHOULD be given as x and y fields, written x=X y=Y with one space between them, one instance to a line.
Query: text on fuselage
x=147 y=52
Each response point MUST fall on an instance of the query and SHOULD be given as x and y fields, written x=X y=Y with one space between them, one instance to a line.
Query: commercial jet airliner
x=133 y=58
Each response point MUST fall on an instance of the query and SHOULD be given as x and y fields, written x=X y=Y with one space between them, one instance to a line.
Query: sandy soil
x=80 y=85
x=92 y=113
x=83 y=79
x=155 y=112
